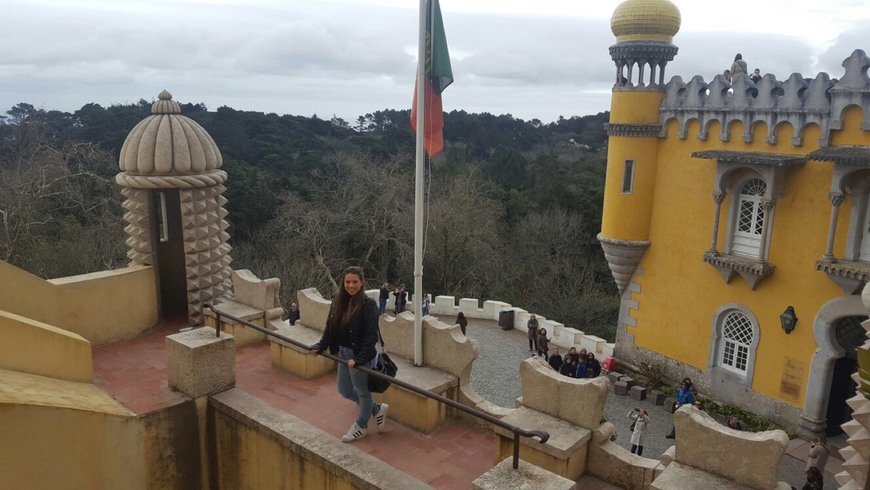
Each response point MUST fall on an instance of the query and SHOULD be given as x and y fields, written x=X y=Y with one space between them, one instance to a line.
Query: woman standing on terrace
x=351 y=333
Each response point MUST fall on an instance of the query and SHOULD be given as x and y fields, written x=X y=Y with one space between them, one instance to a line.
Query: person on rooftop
x=739 y=66
x=351 y=333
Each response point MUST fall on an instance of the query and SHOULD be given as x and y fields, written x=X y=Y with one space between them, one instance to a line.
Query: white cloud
x=538 y=59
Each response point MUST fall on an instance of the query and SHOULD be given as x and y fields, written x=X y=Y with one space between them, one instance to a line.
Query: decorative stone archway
x=828 y=351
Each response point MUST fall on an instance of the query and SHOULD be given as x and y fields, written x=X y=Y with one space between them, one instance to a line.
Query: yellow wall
x=640 y=107
x=33 y=347
x=680 y=293
x=627 y=216
x=65 y=435
x=101 y=307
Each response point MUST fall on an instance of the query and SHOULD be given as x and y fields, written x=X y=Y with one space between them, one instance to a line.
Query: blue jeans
x=353 y=384
x=383 y=306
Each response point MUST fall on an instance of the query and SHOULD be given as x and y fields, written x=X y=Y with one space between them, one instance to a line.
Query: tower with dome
x=735 y=224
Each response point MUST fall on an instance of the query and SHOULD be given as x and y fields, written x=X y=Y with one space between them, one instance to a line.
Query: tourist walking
x=638 y=434
x=543 y=343
x=819 y=453
x=462 y=322
x=533 y=332
x=401 y=299
x=383 y=297
x=351 y=333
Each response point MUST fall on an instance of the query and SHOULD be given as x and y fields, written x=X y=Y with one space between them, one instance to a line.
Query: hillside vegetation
x=512 y=206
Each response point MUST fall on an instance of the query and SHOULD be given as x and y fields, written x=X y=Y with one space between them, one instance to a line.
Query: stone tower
x=172 y=181
x=644 y=30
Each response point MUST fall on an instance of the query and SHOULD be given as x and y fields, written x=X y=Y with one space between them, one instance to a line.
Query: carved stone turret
x=171 y=178
x=644 y=30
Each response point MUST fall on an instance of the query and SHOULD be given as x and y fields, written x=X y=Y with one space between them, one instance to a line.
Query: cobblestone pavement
x=495 y=376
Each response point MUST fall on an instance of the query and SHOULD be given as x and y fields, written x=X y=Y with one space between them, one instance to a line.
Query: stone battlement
x=798 y=101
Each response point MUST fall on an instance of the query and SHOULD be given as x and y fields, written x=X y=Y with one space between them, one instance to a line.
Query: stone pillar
x=198 y=363
x=718 y=198
x=768 y=206
x=836 y=200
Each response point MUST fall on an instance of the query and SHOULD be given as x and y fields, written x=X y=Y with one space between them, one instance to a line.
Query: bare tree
x=57 y=198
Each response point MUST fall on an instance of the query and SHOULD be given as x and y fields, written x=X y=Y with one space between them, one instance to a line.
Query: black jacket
x=363 y=334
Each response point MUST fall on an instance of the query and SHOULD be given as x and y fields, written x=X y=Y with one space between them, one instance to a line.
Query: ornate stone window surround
x=720 y=374
x=851 y=176
x=733 y=169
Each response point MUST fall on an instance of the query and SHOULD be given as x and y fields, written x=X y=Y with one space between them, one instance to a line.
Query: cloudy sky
x=529 y=58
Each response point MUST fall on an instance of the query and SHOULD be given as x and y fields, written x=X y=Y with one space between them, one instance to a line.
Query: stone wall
x=560 y=335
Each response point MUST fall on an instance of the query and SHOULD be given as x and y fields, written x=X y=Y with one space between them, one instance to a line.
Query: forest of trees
x=513 y=206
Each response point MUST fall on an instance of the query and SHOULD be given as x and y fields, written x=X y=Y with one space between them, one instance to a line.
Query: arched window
x=735 y=344
x=749 y=219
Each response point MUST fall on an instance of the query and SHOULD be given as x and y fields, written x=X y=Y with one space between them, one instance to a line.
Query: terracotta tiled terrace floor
x=134 y=373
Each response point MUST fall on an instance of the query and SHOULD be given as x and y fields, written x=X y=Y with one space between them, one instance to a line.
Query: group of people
x=739 y=67
x=575 y=364
x=401 y=302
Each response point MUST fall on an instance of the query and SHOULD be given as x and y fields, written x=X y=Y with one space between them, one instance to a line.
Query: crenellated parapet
x=797 y=101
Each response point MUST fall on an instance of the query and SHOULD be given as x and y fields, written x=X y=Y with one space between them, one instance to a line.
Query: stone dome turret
x=167 y=143
x=645 y=20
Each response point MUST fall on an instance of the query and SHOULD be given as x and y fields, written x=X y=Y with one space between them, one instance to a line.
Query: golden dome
x=167 y=143
x=645 y=20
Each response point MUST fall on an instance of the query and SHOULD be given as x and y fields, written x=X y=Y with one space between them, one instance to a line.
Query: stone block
x=252 y=291
x=468 y=306
x=656 y=397
x=613 y=376
x=198 y=363
x=620 y=388
x=628 y=380
x=701 y=441
x=637 y=392
x=578 y=401
x=615 y=465
x=669 y=404
x=243 y=334
x=444 y=305
x=503 y=475
x=491 y=309
x=417 y=411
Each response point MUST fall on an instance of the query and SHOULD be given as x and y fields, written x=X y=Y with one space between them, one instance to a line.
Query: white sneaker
x=381 y=417
x=355 y=432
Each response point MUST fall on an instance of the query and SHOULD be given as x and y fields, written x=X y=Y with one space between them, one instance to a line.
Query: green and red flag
x=438 y=76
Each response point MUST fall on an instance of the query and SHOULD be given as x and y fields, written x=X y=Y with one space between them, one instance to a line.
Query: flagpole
x=418 y=190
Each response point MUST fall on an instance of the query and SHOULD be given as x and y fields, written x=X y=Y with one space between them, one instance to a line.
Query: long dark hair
x=345 y=306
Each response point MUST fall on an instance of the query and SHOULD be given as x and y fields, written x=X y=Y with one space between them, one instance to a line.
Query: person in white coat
x=638 y=436
x=819 y=453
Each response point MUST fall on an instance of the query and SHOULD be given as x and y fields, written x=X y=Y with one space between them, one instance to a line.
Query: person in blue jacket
x=684 y=397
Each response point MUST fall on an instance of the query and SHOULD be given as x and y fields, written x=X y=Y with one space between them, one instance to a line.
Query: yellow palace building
x=736 y=224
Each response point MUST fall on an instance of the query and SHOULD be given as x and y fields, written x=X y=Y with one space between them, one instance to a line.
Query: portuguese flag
x=438 y=76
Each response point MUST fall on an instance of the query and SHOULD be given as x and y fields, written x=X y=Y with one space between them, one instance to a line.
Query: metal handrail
x=517 y=431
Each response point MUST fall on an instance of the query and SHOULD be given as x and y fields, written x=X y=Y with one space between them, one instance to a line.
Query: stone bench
x=419 y=411
x=255 y=301
x=563 y=454
x=296 y=360
x=406 y=407
x=243 y=334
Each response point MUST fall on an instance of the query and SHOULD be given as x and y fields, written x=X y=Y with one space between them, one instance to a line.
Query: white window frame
x=628 y=168
x=756 y=221
x=860 y=218
x=721 y=370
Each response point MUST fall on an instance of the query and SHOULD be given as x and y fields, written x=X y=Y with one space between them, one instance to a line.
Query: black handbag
x=383 y=365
